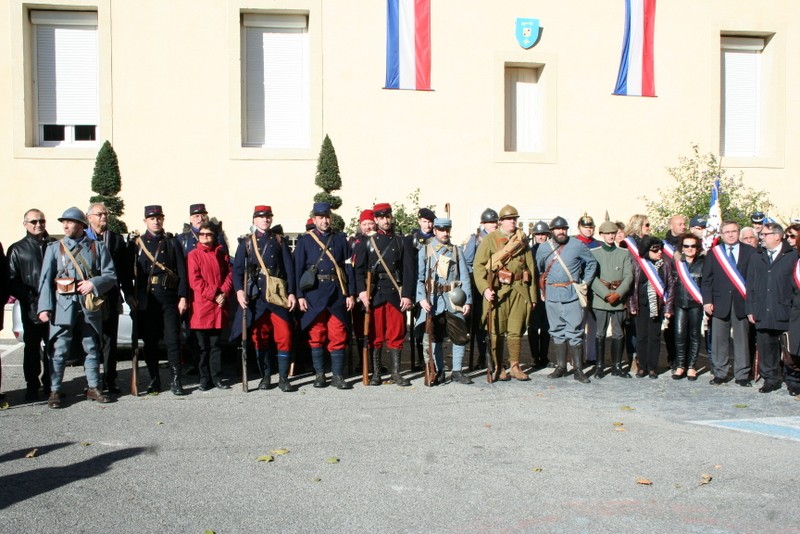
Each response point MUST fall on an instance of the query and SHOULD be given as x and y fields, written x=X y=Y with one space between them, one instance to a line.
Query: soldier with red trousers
x=269 y=296
x=325 y=294
x=390 y=259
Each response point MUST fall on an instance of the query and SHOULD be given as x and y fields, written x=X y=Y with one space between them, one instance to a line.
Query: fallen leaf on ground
x=705 y=479
x=265 y=458
x=279 y=452
x=644 y=481
x=487 y=425
x=32 y=453
x=333 y=460
x=85 y=444
x=677 y=486
x=740 y=405
x=209 y=532
x=626 y=408
x=4 y=405
x=316 y=480
x=159 y=422
x=718 y=466
x=536 y=469
x=153 y=394
x=618 y=423
x=620 y=429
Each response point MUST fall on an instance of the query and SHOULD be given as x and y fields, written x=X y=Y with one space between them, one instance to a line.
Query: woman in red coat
x=209 y=274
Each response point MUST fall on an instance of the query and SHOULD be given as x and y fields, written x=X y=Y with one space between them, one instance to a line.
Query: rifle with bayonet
x=134 y=323
x=430 y=365
x=245 y=381
x=491 y=357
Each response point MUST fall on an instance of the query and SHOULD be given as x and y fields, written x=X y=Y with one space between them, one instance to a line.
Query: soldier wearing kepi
x=444 y=293
x=504 y=254
x=325 y=294
x=538 y=328
x=489 y=221
x=268 y=298
x=390 y=259
x=161 y=291
x=75 y=271
x=610 y=288
x=565 y=263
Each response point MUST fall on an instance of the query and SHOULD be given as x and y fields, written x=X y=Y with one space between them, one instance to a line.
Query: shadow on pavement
x=22 y=486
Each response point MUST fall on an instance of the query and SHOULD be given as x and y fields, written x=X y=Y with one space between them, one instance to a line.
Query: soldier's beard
x=561 y=239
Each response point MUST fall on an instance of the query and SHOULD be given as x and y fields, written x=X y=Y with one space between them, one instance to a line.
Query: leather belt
x=326 y=277
x=614 y=284
x=561 y=284
x=443 y=289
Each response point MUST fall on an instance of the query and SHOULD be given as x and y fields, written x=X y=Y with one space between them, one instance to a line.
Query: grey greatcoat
x=457 y=275
x=64 y=309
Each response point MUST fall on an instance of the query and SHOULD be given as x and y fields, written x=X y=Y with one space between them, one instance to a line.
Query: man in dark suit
x=97 y=216
x=769 y=300
x=724 y=289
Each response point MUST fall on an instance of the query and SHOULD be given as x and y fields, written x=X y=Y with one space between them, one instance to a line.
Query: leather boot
x=177 y=386
x=459 y=377
x=155 y=385
x=284 y=384
x=319 y=380
x=265 y=382
x=517 y=373
x=375 y=355
x=617 y=345
x=395 y=361
x=577 y=353
x=318 y=359
x=561 y=361
x=600 y=352
x=338 y=382
x=500 y=373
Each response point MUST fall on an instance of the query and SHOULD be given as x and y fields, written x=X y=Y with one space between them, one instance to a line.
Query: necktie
x=730 y=253
x=771 y=254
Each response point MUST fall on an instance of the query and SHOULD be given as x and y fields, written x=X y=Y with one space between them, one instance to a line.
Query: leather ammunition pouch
x=66 y=286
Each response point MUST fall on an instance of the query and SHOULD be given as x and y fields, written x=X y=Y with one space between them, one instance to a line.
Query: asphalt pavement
x=616 y=455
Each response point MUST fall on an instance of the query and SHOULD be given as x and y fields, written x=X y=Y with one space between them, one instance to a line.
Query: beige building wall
x=170 y=98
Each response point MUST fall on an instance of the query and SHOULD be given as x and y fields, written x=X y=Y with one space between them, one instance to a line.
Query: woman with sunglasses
x=210 y=283
x=650 y=302
x=688 y=311
x=791 y=235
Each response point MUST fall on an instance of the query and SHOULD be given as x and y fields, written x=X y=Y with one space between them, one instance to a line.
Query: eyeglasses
x=791 y=236
x=34 y=222
x=656 y=248
x=764 y=234
x=689 y=246
x=101 y=214
x=206 y=234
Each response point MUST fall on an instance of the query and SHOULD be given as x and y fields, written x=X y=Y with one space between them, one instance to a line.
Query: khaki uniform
x=513 y=303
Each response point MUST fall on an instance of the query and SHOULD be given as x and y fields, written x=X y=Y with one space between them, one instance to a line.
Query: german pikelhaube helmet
x=489 y=215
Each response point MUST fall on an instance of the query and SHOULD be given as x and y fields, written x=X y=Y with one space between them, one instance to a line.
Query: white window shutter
x=740 y=96
x=276 y=81
x=521 y=110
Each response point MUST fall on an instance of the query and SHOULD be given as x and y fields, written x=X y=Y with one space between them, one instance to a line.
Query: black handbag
x=308 y=280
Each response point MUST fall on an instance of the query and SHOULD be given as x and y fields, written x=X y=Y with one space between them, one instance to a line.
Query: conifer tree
x=107 y=182
x=329 y=180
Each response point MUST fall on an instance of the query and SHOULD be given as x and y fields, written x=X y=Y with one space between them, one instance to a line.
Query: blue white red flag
x=408 y=44
x=714 y=217
x=636 y=72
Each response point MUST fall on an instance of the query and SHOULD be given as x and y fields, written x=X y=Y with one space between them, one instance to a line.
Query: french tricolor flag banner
x=408 y=44
x=636 y=76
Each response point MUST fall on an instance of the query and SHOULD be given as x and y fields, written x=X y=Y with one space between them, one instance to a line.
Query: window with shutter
x=275 y=62
x=741 y=96
x=66 y=77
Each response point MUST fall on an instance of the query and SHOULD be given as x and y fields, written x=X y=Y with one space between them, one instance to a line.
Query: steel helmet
x=74 y=214
x=457 y=296
x=489 y=215
x=559 y=222
x=508 y=211
x=541 y=228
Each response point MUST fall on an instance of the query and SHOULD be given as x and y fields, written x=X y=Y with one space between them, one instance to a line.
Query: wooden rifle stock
x=134 y=330
x=365 y=348
x=245 y=385
x=491 y=362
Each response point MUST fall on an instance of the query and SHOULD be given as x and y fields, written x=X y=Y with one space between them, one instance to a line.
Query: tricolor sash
x=797 y=273
x=729 y=268
x=647 y=268
x=669 y=250
x=688 y=282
